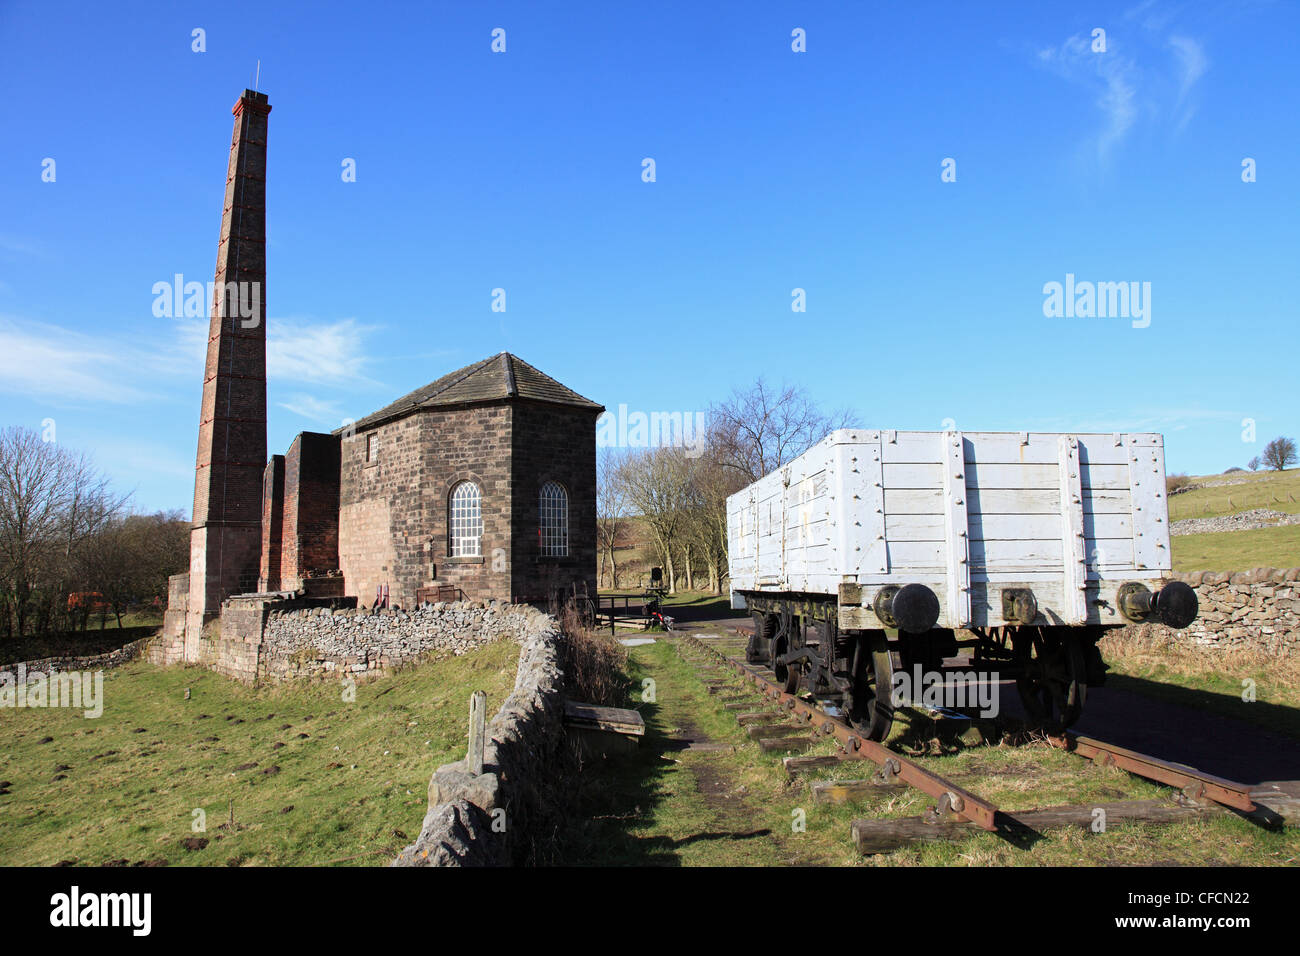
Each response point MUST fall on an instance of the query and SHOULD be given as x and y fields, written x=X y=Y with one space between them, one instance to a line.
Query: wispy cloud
x=1110 y=77
x=328 y=353
x=38 y=360
x=1141 y=73
x=1192 y=64
x=64 y=366
x=320 y=410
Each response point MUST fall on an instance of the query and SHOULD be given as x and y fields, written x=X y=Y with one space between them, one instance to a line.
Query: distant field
x=1238 y=550
x=1279 y=490
x=310 y=778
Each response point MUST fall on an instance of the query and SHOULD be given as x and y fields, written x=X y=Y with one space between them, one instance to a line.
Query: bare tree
x=51 y=502
x=757 y=431
x=612 y=510
x=1279 y=453
x=657 y=482
x=1253 y=464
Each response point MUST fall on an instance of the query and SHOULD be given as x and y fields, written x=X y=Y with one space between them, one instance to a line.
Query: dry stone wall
x=331 y=642
x=1259 y=609
x=484 y=819
x=92 y=662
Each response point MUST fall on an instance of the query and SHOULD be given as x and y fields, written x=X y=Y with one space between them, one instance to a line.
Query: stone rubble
x=1241 y=521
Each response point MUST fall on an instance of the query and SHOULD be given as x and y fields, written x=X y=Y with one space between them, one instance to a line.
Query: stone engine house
x=481 y=485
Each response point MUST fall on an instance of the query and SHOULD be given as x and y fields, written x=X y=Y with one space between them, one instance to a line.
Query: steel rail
x=1194 y=783
x=952 y=799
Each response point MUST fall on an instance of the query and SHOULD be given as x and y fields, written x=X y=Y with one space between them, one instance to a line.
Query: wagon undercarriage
x=800 y=638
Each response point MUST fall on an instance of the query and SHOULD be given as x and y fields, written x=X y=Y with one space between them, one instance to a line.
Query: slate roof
x=497 y=378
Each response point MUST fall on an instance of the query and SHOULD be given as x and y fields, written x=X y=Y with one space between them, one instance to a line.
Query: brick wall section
x=225 y=547
x=553 y=443
x=268 y=578
x=309 y=539
x=1257 y=609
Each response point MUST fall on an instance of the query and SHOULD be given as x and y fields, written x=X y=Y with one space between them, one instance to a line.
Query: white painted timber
x=1070 y=516
x=1074 y=608
x=956 y=530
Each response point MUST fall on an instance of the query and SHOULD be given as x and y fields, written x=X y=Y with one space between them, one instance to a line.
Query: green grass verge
x=312 y=779
x=736 y=807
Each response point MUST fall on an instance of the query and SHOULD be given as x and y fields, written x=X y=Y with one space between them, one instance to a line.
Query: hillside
x=1239 y=521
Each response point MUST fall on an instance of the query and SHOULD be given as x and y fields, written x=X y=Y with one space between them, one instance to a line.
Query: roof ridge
x=471 y=370
x=507 y=365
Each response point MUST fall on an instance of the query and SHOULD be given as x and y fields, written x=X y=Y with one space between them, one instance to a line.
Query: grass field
x=310 y=779
x=671 y=806
x=1238 y=550
x=1278 y=490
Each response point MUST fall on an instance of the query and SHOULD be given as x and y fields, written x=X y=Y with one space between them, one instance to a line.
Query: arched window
x=466 y=521
x=554 y=527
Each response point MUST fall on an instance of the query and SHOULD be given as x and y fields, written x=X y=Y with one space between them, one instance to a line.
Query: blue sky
x=775 y=170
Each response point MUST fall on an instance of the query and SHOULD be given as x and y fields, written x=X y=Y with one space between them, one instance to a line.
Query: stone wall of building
x=169 y=646
x=393 y=523
x=1256 y=609
x=553 y=443
x=486 y=819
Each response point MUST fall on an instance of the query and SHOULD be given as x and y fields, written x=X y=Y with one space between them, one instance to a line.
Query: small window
x=372 y=447
x=554 y=529
x=466 y=521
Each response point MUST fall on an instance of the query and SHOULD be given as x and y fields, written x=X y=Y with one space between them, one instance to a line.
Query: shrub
x=1176 y=483
x=595 y=663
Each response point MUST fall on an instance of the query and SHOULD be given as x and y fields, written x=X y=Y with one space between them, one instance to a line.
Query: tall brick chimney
x=225 y=542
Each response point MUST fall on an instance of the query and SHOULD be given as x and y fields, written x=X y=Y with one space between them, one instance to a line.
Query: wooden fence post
x=477 y=730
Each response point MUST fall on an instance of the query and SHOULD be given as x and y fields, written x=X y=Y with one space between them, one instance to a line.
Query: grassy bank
x=310 y=779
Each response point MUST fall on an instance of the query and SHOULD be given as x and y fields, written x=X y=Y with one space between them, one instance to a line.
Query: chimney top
x=254 y=101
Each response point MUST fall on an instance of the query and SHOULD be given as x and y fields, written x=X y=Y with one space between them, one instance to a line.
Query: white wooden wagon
x=1026 y=545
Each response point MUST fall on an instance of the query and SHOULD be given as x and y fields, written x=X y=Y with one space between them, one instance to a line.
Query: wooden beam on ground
x=798 y=765
x=847 y=791
x=759 y=731
x=784 y=744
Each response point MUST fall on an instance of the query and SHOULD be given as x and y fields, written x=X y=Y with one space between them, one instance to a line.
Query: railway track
x=787 y=722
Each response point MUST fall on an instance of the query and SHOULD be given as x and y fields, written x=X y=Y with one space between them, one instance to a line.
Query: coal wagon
x=883 y=549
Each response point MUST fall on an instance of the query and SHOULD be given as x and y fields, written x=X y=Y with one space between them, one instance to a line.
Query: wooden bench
x=602 y=731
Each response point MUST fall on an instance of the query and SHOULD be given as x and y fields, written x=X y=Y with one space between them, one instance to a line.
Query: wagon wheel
x=793 y=672
x=587 y=611
x=759 y=646
x=870 y=707
x=779 y=645
x=1053 y=681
